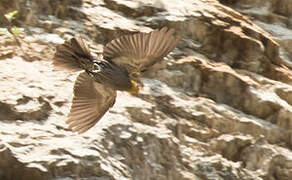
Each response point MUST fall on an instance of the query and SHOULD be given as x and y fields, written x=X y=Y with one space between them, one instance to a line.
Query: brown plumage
x=95 y=89
x=70 y=54
x=141 y=50
x=90 y=102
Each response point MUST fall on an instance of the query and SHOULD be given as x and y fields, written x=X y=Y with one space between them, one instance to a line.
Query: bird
x=124 y=58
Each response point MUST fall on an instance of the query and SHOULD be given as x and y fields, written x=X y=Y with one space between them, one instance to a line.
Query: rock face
x=218 y=107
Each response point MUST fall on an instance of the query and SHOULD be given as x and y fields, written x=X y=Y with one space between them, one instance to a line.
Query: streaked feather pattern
x=72 y=54
x=95 y=89
x=141 y=50
x=90 y=102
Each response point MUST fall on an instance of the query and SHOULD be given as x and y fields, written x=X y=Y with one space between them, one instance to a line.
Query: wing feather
x=141 y=50
x=68 y=55
x=90 y=102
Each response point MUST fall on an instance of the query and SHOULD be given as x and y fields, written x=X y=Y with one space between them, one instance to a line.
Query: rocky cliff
x=218 y=107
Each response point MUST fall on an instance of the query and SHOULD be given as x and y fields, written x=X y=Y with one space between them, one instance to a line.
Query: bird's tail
x=73 y=55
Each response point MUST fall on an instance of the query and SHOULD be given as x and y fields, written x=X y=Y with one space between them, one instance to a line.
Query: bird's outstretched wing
x=139 y=51
x=90 y=102
x=72 y=54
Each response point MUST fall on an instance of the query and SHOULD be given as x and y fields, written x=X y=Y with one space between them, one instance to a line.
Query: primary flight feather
x=123 y=58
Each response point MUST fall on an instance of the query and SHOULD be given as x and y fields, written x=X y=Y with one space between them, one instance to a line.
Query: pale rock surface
x=218 y=107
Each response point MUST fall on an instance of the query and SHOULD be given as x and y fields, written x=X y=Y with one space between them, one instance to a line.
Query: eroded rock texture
x=218 y=107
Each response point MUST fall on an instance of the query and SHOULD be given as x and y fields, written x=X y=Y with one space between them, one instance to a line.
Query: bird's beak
x=135 y=88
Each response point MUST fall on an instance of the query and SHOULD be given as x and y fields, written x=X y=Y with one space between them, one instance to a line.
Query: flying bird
x=96 y=87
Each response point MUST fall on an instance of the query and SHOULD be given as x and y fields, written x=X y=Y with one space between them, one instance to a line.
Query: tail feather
x=72 y=55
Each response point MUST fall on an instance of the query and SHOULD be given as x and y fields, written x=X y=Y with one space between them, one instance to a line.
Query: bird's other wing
x=139 y=51
x=72 y=54
x=90 y=102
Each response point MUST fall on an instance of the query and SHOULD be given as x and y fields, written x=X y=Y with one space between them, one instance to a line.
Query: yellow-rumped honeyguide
x=123 y=60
